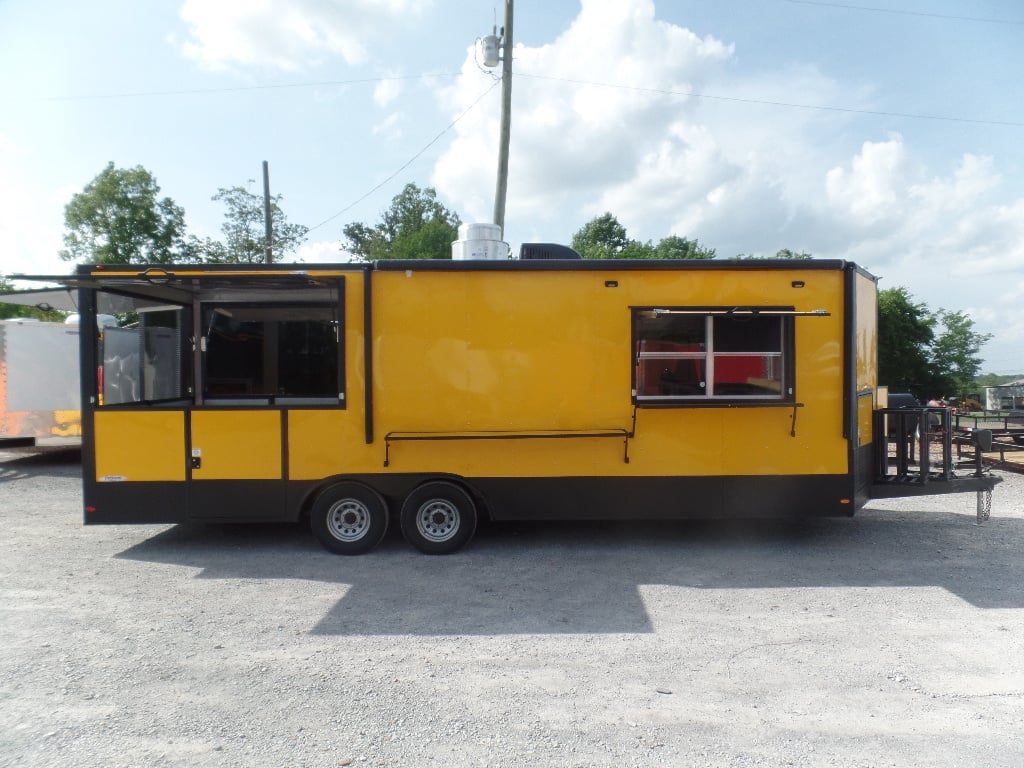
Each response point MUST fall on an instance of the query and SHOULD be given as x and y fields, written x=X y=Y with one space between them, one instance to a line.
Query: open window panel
x=220 y=342
x=146 y=359
x=702 y=355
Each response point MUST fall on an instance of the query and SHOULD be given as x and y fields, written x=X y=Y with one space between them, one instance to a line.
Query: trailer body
x=39 y=382
x=437 y=392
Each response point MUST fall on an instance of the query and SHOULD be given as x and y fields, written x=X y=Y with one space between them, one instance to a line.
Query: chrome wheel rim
x=437 y=520
x=348 y=520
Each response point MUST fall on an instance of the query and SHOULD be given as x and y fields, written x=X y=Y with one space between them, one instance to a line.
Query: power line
x=239 y=88
x=410 y=160
x=663 y=91
x=824 y=4
x=789 y=105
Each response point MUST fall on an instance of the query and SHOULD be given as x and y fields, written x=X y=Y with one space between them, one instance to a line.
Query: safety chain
x=984 y=505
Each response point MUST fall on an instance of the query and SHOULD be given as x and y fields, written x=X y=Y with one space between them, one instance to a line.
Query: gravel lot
x=892 y=639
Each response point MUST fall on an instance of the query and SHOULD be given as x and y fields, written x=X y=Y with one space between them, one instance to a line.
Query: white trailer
x=39 y=383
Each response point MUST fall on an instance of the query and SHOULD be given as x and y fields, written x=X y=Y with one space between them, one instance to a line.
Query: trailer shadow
x=22 y=463
x=558 y=578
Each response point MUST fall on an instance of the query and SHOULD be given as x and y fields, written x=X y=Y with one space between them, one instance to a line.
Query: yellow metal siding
x=525 y=351
x=328 y=442
x=139 y=446
x=237 y=444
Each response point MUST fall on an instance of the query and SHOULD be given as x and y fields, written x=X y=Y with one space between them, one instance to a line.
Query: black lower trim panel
x=665 y=498
x=238 y=500
x=514 y=498
x=155 y=502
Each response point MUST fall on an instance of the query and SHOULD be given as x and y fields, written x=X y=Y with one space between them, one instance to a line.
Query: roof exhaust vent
x=479 y=242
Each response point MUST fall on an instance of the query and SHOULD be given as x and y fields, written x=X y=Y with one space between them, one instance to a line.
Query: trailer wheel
x=349 y=518
x=438 y=518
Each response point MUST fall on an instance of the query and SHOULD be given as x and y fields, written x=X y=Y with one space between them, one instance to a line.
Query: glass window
x=143 y=362
x=697 y=355
x=271 y=351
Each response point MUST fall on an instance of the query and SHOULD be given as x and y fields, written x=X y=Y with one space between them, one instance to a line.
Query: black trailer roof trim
x=605 y=265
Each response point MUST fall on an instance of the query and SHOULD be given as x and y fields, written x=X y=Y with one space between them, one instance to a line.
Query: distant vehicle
x=39 y=382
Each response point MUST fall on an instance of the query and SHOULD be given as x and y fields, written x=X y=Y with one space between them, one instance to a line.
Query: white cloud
x=868 y=192
x=601 y=122
x=389 y=126
x=31 y=229
x=386 y=91
x=320 y=252
x=285 y=34
x=590 y=108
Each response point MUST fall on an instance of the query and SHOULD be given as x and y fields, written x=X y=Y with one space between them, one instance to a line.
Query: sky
x=886 y=132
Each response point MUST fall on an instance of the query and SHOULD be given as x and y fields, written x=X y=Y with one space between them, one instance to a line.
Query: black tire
x=349 y=518
x=438 y=518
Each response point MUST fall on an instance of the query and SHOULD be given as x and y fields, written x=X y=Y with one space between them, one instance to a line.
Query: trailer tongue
x=914 y=451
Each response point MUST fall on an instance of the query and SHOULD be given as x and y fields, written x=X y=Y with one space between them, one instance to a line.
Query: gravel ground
x=895 y=638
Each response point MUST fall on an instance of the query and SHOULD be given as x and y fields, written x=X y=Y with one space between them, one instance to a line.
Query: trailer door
x=235 y=464
x=261 y=355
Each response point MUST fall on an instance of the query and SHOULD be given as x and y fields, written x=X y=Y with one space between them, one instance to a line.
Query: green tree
x=905 y=335
x=930 y=354
x=415 y=226
x=782 y=253
x=603 y=237
x=995 y=379
x=675 y=247
x=119 y=218
x=956 y=353
x=196 y=250
x=785 y=253
x=244 y=228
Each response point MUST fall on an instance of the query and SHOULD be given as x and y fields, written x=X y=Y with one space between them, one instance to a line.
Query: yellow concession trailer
x=432 y=393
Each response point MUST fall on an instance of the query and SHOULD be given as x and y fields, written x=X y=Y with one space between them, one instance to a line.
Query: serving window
x=279 y=353
x=219 y=339
x=700 y=355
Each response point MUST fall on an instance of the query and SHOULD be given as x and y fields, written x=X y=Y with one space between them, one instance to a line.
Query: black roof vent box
x=547 y=251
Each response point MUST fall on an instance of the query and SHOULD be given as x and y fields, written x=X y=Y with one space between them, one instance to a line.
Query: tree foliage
x=956 y=359
x=675 y=247
x=119 y=218
x=415 y=226
x=995 y=379
x=603 y=237
x=782 y=253
x=905 y=333
x=244 y=228
x=929 y=354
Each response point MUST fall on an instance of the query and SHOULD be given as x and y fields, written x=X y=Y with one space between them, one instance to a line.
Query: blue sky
x=889 y=132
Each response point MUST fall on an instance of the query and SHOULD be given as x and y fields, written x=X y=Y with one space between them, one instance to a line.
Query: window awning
x=654 y=312
x=125 y=291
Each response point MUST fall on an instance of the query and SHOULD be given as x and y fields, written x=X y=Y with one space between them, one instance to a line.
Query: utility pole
x=501 y=188
x=268 y=248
